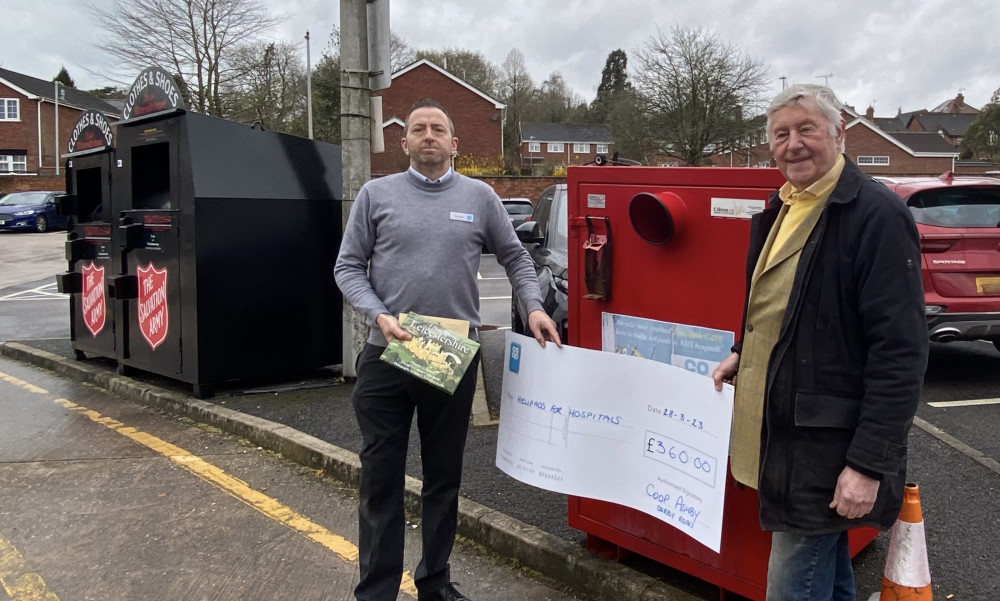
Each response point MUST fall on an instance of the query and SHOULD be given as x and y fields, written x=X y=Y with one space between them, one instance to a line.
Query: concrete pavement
x=310 y=420
x=104 y=499
x=308 y=400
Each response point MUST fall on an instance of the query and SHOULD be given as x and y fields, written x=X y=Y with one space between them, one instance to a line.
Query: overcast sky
x=891 y=54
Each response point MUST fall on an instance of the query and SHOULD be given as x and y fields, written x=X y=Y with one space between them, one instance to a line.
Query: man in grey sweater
x=413 y=243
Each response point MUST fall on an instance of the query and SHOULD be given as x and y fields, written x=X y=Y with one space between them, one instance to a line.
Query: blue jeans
x=810 y=568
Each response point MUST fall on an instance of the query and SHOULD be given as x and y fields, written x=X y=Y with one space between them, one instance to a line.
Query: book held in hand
x=436 y=354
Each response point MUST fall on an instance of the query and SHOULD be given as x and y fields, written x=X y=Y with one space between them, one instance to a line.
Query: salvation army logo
x=93 y=302
x=153 y=318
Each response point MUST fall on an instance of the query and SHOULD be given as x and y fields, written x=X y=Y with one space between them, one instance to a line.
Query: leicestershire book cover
x=436 y=354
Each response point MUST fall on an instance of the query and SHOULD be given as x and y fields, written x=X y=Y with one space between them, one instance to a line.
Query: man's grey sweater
x=415 y=246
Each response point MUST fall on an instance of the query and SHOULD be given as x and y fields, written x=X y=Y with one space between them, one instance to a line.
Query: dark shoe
x=447 y=593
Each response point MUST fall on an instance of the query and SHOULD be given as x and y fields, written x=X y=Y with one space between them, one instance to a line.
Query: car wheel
x=41 y=224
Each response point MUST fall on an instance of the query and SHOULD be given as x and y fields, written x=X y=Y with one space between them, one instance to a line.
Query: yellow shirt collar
x=821 y=188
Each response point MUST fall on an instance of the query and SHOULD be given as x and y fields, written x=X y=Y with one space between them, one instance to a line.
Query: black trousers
x=384 y=401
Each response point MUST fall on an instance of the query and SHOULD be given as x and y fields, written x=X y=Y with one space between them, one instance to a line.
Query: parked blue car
x=30 y=212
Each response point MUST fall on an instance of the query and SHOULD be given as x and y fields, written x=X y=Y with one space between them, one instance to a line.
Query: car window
x=957 y=207
x=541 y=213
x=24 y=198
x=559 y=230
x=519 y=209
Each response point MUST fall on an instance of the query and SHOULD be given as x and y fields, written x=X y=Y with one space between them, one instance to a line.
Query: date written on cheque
x=680 y=416
x=681 y=457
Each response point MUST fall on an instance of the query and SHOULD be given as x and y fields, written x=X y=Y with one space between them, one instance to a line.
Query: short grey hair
x=428 y=103
x=825 y=99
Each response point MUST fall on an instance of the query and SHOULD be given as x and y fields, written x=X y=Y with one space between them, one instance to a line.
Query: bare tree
x=698 y=92
x=555 y=102
x=190 y=38
x=630 y=129
x=400 y=53
x=516 y=90
x=269 y=88
x=468 y=65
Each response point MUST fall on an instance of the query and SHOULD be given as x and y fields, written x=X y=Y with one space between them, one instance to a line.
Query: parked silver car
x=545 y=235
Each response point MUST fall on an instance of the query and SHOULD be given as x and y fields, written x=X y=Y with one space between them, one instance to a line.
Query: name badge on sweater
x=461 y=216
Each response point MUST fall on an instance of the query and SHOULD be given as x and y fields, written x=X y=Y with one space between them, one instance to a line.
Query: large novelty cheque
x=617 y=428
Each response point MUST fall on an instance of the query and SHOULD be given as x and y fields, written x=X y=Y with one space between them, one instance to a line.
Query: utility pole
x=56 y=82
x=355 y=128
x=309 y=88
x=782 y=78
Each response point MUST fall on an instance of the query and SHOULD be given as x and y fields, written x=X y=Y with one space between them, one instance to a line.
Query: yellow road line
x=22 y=384
x=235 y=487
x=18 y=580
x=969 y=403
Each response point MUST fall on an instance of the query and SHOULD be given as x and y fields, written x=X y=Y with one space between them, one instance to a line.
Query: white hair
x=825 y=99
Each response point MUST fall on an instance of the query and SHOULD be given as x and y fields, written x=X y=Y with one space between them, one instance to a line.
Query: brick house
x=950 y=119
x=879 y=152
x=478 y=118
x=563 y=144
x=879 y=146
x=28 y=122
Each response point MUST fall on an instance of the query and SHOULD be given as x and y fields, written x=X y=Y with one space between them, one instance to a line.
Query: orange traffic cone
x=907 y=573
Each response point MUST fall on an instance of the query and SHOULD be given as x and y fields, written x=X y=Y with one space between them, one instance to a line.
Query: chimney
x=959 y=100
x=870 y=113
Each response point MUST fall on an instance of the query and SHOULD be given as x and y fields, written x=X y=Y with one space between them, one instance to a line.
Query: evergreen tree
x=326 y=92
x=64 y=78
x=614 y=80
x=982 y=140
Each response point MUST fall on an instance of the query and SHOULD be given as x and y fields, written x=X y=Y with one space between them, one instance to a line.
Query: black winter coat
x=845 y=375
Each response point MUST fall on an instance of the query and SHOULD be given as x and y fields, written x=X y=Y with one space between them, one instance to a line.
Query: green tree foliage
x=64 y=78
x=108 y=92
x=471 y=67
x=326 y=92
x=982 y=140
x=614 y=81
x=698 y=92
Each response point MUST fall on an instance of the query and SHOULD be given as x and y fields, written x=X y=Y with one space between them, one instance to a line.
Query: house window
x=602 y=149
x=9 y=109
x=581 y=148
x=13 y=163
x=554 y=147
x=534 y=146
x=873 y=160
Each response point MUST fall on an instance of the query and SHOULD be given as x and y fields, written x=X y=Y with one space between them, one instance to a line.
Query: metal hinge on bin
x=597 y=260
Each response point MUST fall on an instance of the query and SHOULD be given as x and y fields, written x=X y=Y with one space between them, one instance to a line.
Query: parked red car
x=958 y=218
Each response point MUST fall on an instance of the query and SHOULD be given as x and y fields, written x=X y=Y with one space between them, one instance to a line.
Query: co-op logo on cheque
x=738 y=208
x=514 y=364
